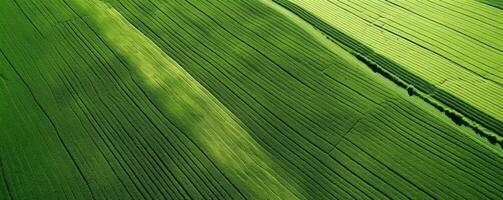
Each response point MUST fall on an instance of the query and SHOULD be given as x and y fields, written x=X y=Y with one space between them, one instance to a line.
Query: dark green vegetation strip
x=495 y=3
x=79 y=121
x=406 y=79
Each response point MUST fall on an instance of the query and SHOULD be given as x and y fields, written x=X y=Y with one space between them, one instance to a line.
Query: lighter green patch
x=192 y=107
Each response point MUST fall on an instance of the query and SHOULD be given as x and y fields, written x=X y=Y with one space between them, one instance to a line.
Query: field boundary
x=461 y=114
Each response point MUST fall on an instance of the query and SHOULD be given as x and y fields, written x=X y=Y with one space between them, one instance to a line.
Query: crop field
x=459 y=44
x=251 y=99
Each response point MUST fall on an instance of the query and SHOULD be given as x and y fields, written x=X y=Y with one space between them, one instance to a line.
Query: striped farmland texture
x=451 y=50
x=140 y=99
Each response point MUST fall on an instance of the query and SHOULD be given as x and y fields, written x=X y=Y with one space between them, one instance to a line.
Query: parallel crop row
x=101 y=104
x=422 y=56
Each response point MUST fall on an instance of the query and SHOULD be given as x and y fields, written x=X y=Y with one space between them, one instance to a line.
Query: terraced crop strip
x=189 y=99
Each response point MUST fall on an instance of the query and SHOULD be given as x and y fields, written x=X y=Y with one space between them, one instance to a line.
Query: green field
x=451 y=51
x=251 y=99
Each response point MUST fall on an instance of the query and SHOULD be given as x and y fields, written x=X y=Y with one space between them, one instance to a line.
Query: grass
x=140 y=99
